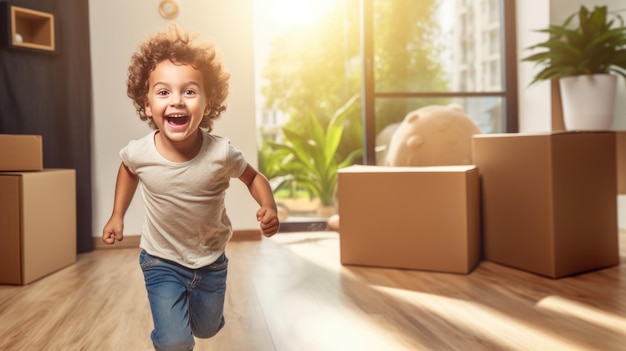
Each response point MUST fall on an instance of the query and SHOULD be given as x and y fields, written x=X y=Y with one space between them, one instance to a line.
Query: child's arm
x=262 y=192
x=124 y=190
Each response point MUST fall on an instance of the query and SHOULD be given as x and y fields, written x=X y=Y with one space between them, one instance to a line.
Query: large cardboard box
x=37 y=223
x=424 y=218
x=549 y=203
x=21 y=152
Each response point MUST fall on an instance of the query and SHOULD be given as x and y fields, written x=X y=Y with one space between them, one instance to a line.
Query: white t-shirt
x=186 y=220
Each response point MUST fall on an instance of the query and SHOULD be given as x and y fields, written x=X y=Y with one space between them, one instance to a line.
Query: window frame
x=369 y=93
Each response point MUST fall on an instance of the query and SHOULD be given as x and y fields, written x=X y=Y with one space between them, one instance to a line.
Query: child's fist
x=268 y=221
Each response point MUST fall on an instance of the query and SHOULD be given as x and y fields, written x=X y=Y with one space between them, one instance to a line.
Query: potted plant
x=586 y=58
x=308 y=158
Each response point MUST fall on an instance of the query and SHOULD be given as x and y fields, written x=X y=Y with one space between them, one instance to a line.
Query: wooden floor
x=291 y=293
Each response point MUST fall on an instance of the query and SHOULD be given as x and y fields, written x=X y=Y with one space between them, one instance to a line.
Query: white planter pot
x=588 y=101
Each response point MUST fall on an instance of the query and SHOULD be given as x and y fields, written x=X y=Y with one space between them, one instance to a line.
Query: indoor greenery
x=596 y=45
x=312 y=68
x=307 y=158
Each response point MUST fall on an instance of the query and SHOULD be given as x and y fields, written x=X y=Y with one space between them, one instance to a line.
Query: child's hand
x=113 y=230
x=268 y=219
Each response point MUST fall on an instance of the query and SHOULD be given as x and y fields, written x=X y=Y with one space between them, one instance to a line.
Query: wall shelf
x=30 y=29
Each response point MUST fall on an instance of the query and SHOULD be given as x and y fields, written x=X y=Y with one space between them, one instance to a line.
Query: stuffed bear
x=382 y=142
x=433 y=135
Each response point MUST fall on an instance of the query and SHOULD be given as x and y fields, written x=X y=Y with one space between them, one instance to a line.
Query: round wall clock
x=168 y=9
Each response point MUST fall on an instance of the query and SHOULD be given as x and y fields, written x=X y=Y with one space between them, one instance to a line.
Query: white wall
x=116 y=28
x=533 y=101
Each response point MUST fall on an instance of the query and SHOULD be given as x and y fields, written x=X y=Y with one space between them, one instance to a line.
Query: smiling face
x=176 y=100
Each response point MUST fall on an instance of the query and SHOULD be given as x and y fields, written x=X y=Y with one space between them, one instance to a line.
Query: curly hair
x=180 y=48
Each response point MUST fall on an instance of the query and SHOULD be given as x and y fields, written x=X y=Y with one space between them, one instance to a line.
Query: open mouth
x=177 y=120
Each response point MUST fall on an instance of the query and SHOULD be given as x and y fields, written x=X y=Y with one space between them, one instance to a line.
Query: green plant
x=308 y=156
x=596 y=45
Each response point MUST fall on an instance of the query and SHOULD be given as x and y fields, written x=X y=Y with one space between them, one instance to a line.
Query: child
x=178 y=85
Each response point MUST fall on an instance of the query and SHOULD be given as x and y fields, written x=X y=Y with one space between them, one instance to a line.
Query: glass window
x=436 y=52
x=395 y=56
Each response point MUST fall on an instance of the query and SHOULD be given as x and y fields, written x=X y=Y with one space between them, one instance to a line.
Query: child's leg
x=206 y=299
x=166 y=283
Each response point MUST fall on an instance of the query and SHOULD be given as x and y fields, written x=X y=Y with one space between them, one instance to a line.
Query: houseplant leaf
x=595 y=45
x=309 y=156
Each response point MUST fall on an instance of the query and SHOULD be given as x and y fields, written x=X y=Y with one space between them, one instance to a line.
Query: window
x=396 y=55
x=437 y=52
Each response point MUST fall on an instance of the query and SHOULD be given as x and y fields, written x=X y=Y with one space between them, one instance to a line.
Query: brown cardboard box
x=621 y=161
x=37 y=223
x=424 y=218
x=549 y=203
x=21 y=152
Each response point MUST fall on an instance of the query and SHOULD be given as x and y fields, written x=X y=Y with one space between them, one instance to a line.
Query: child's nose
x=177 y=100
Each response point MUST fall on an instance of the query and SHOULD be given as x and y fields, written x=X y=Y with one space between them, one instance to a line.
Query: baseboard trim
x=132 y=241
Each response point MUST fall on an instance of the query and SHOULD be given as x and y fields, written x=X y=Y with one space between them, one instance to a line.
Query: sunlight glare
x=585 y=312
x=481 y=320
x=287 y=14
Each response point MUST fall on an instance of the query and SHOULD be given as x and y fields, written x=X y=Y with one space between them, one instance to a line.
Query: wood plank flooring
x=290 y=293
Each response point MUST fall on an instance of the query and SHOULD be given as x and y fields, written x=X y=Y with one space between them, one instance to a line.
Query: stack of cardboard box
x=544 y=202
x=37 y=212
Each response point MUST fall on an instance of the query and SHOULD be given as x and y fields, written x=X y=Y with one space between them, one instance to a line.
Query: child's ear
x=147 y=108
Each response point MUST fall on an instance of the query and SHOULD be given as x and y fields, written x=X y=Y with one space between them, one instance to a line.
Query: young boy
x=179 y=85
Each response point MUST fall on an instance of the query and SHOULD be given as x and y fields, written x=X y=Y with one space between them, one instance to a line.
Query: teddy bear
x=434 y=135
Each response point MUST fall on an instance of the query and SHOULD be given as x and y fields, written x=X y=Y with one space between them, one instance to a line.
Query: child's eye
x=190 y=92
x=162 y=92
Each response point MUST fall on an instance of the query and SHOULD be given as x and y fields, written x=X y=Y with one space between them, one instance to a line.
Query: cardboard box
x=424 y=218
x=37 y=223
x=620 y=141
x=21 y=152
x=549 y=203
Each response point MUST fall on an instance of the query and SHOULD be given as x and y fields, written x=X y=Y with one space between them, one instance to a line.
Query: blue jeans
x=184 y=302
